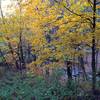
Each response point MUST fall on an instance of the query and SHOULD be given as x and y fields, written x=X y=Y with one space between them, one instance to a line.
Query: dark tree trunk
x=69 y=69
x=29 y=53
x=94 y=49
x=20 y=45
x=69 y=73
x=21 y=54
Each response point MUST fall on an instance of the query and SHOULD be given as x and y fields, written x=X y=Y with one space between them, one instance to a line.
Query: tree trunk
x=29 y=53
x=81 y=62
x=94 y=49
x=69 y=69
x=21 y=55
x=69 y=73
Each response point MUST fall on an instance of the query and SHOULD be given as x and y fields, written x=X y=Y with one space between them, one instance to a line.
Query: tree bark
x=94 y=49
x=81 y=62
x=69 y=71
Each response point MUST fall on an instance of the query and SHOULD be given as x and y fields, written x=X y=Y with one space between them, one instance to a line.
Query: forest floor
x=17 y=86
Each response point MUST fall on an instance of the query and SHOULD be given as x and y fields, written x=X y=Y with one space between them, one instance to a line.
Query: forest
x=50 y=50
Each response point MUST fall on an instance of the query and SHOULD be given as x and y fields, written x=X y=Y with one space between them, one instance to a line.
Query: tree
x=94 y=47
x=55 y=30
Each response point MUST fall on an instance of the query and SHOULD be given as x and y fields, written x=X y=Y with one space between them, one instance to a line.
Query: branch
x=71 y=11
